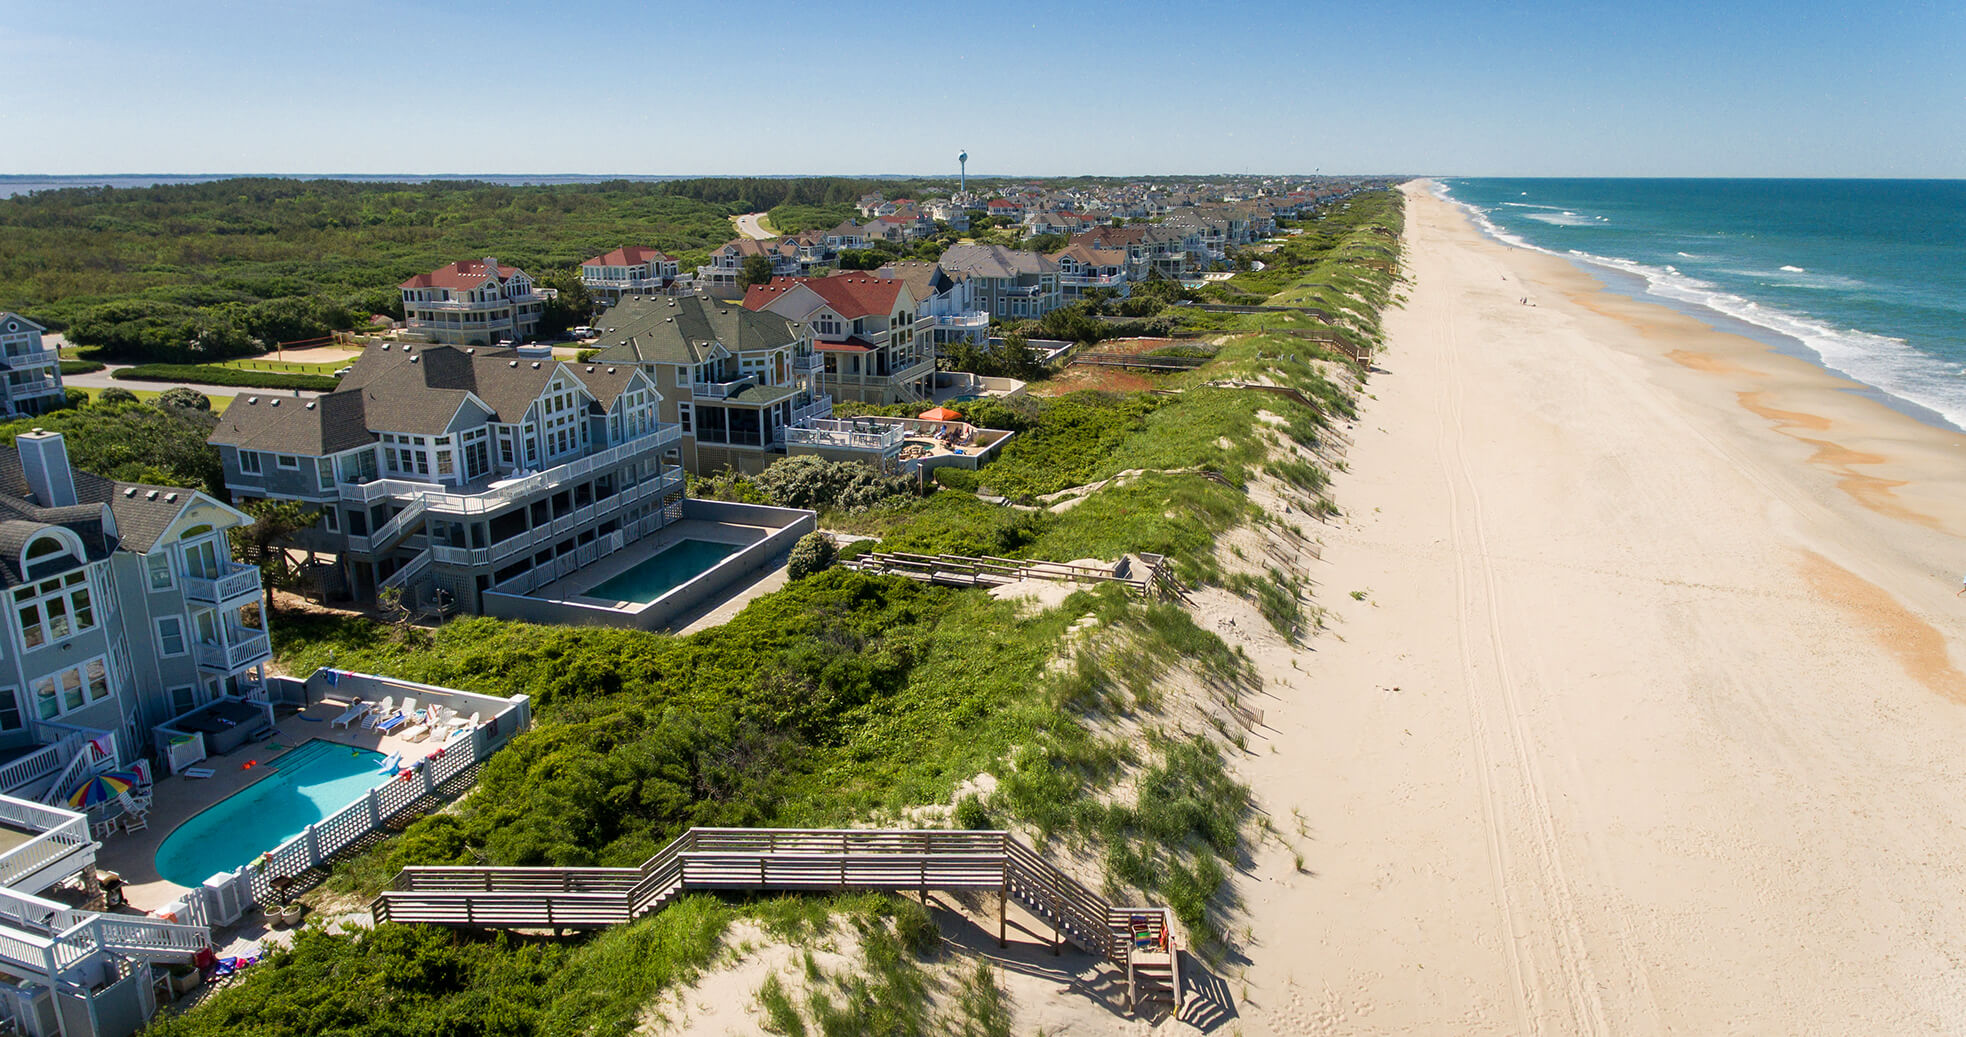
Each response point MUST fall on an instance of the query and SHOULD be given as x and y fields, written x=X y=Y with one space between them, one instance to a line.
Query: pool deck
x=175 y=799
x=575 y=585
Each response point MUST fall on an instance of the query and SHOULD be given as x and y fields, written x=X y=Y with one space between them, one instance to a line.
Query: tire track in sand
x=1480 y=620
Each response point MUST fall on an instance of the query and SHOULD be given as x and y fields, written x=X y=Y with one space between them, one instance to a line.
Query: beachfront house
x=730 y=378
x=866 y=329
x=630 y=270
x=447 y=473
x=472 y=303
x=125 y=609
x=33 y=373
x=943 y=301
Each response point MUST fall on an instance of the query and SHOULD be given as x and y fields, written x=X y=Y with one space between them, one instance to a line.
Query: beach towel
x=334 y=677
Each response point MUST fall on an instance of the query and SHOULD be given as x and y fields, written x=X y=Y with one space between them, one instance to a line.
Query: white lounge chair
x=354 y=712
x=460 y=728
x=383 y=710
x=198 y=772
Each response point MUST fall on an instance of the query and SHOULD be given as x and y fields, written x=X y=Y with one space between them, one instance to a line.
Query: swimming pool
x=664 y=571
x=309 y=783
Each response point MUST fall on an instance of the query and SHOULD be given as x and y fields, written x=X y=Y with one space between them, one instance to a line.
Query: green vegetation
x=69 y=367
x=814 y=553
x=199 y=272
x=796 y=219
x=216 y=374
x=135 y=441
x=848 y=698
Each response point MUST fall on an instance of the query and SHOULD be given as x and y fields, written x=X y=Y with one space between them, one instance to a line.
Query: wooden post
x=1003 y=904
x=1057 y=912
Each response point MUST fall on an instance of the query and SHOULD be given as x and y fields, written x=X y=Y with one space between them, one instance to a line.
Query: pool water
x=664 y=571
x=308 y=784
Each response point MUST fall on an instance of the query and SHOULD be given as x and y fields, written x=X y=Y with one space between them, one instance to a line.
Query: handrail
x=788 y=859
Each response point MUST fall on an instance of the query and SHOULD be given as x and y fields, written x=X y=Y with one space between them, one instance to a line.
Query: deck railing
x=1139 y=940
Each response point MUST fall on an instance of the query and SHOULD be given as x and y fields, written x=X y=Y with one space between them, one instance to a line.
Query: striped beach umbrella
x=101 y=788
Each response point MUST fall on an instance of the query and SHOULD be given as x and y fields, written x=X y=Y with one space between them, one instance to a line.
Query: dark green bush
x=211 y=374
x=814 y=553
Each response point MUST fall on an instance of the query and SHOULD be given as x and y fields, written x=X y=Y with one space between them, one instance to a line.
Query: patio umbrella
x=940 y=414
x=102 y=788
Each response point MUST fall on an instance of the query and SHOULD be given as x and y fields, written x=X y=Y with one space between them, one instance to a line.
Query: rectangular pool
x=307 y=784
x=663 y=572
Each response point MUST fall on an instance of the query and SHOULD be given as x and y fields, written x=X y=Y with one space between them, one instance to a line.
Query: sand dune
x=1651 y=718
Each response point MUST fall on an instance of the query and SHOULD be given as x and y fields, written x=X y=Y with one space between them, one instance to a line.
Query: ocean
x=1865 y=277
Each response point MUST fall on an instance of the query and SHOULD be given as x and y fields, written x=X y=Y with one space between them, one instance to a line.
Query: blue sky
x=1531 y=88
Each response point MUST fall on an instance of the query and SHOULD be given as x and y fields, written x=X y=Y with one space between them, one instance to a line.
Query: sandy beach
x=1648 y=715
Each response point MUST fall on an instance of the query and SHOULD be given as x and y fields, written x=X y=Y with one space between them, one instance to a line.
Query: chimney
x=44 y=461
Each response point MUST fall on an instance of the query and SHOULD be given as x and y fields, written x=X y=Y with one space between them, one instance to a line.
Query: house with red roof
x=866 y=329
x=630 y=270
x=473 y=302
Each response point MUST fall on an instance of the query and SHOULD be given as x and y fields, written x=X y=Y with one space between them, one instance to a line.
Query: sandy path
x=1649 y=720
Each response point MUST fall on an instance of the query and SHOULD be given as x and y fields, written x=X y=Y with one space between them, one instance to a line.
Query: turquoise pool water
x=663 y=572
x=308 y=783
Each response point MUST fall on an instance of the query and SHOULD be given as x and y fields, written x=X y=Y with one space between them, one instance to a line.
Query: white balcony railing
x=808 y=362
x=846 y=435
x=245 y=648
x=442 y=498
x=722 y=390
x=820 y=407
x=237 y=581
x=629 y=283
x=464 y=304
x=979 y=319
x=32 y=358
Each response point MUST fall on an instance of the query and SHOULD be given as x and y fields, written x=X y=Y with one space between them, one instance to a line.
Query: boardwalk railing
x=1137 y=940
x=987 y=571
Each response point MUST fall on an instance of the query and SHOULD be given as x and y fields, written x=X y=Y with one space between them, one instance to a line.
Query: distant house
x=1150 y=248
x=721 y=275
x=732 y=379
x=627 y=271
x=864 y=328
x=33 y=373
x=1061 y=222
x=1082 y=267
x=472 y=302
x=1004 y=207
x=1005 y=282
x=943 y=300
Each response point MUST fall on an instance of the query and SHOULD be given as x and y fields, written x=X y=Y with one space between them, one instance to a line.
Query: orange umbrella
x=940 y=414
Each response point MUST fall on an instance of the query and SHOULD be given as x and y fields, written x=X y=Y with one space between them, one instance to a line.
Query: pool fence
x=228 y=895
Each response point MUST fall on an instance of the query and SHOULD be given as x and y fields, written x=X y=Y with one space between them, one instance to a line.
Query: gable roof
x=629 y=255
x=465 y=273
x=851 y=295
x=686 y=330
x=993 y=261
x=9 y=315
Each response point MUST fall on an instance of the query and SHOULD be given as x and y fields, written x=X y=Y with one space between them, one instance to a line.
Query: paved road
x=747 y=225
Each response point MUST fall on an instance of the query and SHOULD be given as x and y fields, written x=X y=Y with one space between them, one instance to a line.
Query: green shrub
x=177 y=397
x=212 y=374
x=813 y=482
x=814 y=553
x=69 y=367
x=118 y=394
x=972 y=815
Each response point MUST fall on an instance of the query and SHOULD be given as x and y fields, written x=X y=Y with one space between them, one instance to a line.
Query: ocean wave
x=1532 y=205
x=1480 y=217
x=1796 y=277
x=1566 y=218
x=1890 y=364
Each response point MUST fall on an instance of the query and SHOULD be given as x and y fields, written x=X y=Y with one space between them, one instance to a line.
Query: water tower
x=962 y=163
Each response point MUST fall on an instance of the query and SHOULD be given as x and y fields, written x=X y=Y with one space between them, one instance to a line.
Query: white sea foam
x=1795 y=270
x=1796 y=277
x=1532 y=205
x=1566 y=218
x=1890 y=364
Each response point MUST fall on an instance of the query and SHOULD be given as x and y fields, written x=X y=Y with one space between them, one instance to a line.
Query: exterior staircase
x=1139 y=941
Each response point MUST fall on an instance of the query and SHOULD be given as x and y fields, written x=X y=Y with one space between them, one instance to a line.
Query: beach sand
x=1652 y=715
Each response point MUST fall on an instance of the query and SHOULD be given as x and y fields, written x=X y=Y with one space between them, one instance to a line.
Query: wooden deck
x=986 y=571
x=1139 y=941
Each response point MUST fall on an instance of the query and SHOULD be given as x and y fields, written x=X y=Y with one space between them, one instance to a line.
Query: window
x=249 y=462
x=331 y=518
x=183 y=700
x=683 y=416
x=69 y=690
x=160 y=569
x=324 y=472
x=97 y=672
x=286 y=460
x=54 y=609
x=170 y=634
x=9 y=710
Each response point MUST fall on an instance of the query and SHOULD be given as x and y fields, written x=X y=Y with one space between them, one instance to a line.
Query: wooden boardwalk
x=1139 y=941
x=986 y=571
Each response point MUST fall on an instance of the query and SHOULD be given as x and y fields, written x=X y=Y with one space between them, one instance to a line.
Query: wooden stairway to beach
x=1139 y=941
